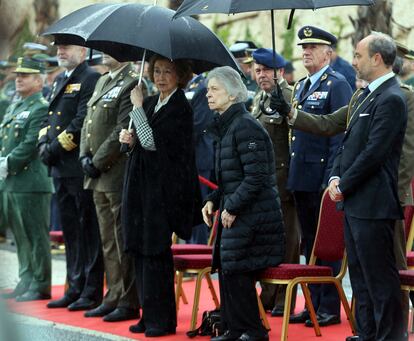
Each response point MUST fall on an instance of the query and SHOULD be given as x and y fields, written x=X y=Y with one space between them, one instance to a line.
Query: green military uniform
x=27 y=191
x=337 y=122
x=274 y=295
x=107 y=114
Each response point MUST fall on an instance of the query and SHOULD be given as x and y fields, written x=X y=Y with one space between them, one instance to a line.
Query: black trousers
x=325 y=297
x=84 y=263
x=374 y=279
x=155 y=284
x=238 y=304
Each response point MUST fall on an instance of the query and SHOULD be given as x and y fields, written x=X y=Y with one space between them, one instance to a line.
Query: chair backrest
x=329 y=241
x=409 y=222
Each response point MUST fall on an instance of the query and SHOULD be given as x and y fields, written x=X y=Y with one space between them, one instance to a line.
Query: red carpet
x=296 y=332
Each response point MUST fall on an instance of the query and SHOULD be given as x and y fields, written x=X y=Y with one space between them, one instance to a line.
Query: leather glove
x=88 y=167
x=278 y=103
x=45 y=155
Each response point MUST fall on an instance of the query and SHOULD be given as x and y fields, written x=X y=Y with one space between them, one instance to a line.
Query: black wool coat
x=245 y=171
x=161 y=188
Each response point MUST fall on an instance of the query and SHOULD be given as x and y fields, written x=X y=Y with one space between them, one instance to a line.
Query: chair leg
x=345 y=304
x=196 y=301
x=178 y=288
x=262 y=312
x=212 y=290
x=311 y=309
x=286 y=313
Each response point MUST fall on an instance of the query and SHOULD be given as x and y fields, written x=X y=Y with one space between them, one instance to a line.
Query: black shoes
x=99 y=311
x=277 y=312
x=138 y=328
x=353 y=338
x=61 y=302
x=32 y=296
x=83 y=303
x=156 y=332
x=227 y=336
x=18 y=291
x=324 y=320
x=246 y=337
x=302 y=317
x=122 y=314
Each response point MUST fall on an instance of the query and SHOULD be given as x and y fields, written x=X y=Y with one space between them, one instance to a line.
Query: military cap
x=10 y=62
x=30 y=66
x=403 y=51
x=315 y=35
x=33 y=48
x=67 y=39
x=289 y=67
x=265 y=57
x=51 y=63
x=240 y=47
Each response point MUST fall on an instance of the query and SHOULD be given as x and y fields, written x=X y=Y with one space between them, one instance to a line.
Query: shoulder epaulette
x=406 y=86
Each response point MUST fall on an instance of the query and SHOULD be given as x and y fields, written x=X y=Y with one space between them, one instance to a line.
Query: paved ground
x=38 y=330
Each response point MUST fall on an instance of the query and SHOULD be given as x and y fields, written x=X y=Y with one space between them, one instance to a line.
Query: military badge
x=307 y=32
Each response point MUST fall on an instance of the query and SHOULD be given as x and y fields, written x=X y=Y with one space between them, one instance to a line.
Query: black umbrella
x=125 y=31
x=195 y=7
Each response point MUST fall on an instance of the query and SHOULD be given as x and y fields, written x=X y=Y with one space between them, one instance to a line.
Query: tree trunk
x=372 y=18
x=174 y=4
x=46 y=14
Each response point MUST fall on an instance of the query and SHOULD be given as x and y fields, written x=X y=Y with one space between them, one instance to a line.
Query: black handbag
x=210 y=325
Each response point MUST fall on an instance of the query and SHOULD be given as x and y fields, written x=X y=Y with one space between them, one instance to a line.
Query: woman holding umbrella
x=160 y=190
x=251 y=233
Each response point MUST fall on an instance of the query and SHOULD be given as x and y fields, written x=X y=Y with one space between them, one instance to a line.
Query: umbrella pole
x=273 y=43
x=124 y=146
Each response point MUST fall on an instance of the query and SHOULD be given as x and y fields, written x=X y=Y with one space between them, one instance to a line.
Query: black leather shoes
x=324 y=320
x=227 y=336
x=156 y=332
x=353 y=338
x=299 y=318
x=61 y=302
x=83 y=303
x=247 y=337
x=99 y=311
x=138 y=328
x=122 y=314
x=32 y=296
x=277 y=312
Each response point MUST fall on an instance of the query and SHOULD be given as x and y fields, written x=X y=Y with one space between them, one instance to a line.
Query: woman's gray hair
x=384 y=45
x=231 y=81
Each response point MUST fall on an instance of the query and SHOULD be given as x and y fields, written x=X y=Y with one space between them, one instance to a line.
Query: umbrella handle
x=124 y=146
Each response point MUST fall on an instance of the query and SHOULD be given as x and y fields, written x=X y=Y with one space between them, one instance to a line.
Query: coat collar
x=301 y=98
x=221 y=123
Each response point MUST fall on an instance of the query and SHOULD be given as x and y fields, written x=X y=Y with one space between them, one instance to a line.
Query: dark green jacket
x=18 y=138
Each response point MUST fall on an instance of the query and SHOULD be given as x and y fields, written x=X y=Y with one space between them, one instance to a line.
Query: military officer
x=264 y=64
x=59 y=149
x=321 y=92
x=104 y=168
x=26 y=186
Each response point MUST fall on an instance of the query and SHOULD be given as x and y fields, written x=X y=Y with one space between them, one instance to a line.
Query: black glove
x=88 y=167
x=278 y=103
x=45 y=155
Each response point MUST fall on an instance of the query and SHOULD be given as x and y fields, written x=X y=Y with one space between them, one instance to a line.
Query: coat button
x=293 y=138
x=16 y=126
x=322 y=160
x=5 y=137
x=59 y=113
x=105 y=105
x=8 y=126
x=89 y=135
x=282 y=164
x=271 y=120
x=50 y=112
x=48 y=127
x=299 y=106
x=57 y=127
x=90 y=149
x=313 y=107
x=90 y=121
x=293 y=154
x=3 y=149
x=26 y=168
x=94 y=107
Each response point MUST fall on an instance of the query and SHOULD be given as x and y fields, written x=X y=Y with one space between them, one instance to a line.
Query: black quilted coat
x=245 y=171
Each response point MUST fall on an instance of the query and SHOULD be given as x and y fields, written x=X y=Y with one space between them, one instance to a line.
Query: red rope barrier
x=207 y=182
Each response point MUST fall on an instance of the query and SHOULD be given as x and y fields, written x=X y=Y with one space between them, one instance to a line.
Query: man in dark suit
x=364 y=180
x=58 y=148
x=321 y=92
x=364 y=183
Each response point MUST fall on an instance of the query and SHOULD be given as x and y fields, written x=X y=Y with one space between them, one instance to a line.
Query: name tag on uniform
x=23 y=115
x=317 y=95
x=113 y=93
x=70 y=88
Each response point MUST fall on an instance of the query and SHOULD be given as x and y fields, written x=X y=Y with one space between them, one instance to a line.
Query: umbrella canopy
x=193 y=7
x=125 y=30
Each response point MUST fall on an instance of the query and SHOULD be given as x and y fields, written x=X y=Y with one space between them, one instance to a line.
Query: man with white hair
x=59 y=141
x=25 y=184
x=321 y=92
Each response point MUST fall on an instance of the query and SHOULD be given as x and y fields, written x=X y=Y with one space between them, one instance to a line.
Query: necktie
x=306 y=88
x=364 y=95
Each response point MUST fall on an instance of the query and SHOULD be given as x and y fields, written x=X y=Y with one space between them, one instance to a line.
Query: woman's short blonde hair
x=182 y=68
x=231 y=81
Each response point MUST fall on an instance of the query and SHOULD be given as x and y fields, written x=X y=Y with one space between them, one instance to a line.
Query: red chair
x=329 y=245
x=409 y=231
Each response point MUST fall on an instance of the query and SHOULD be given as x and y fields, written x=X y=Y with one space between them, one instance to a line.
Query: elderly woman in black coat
x=160 y=190
x=251 y=233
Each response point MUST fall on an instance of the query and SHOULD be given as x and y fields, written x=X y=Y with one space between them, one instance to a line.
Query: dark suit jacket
x=67 y=111
x=367 y=161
